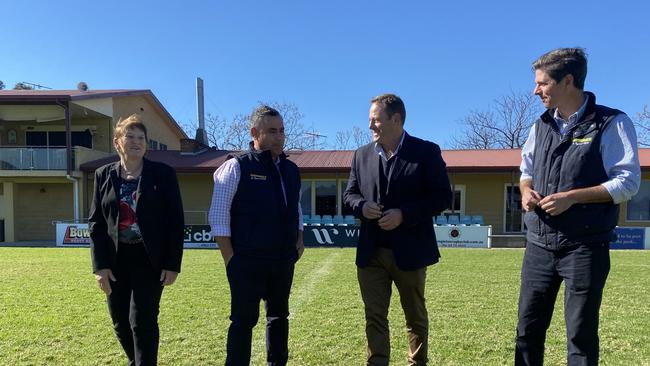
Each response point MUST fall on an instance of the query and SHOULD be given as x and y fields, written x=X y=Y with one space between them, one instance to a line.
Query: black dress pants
x=584 y=270
x=134 y=305
x=252 y=280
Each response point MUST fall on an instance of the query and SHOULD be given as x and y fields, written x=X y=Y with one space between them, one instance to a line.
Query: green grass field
x=52 y=313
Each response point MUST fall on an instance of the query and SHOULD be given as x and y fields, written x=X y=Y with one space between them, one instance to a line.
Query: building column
x=7 y=210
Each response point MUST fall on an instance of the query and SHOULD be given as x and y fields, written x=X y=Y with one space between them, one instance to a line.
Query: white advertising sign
x=463 y=236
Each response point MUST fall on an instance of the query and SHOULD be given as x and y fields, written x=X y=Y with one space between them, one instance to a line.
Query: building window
x=153 y=145
x=345 y=209
x=57 y=138
x=638 y=208
x=513 y=220
x=163 y=146
x=458 y=202
x=326 y=197
x=305 y=197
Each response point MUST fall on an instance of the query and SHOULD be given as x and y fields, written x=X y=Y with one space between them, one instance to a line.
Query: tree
x=643 y=126
x=234 y=134
x=23 y=86
x=504 y=125
x=2 y=85
x=351 y=139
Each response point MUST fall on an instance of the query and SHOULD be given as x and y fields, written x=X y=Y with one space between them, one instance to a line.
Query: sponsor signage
x=72 y=235
x=463 y=236
x=198 y=236
x=629 y=238
x=335 y=236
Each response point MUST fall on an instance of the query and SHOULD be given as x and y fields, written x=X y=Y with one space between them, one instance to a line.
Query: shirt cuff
x=220 y=230
x=615 y=191
x=525 y=177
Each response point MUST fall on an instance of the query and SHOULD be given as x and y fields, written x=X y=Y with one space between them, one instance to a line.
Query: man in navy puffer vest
x=579 y=163
x=255 y=218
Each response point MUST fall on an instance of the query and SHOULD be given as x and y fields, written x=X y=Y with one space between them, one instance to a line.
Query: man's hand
x=556 y=203
x=371 y=210
x=391 y=219
x=168 y=277
x=103 y=278
x=529 y=199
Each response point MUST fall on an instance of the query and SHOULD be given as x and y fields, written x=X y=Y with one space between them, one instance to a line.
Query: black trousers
x=584 y=270
x=134 y=305
x=252 y=280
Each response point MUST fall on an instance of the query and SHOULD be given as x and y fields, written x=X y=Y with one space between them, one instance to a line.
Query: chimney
x=201 y=135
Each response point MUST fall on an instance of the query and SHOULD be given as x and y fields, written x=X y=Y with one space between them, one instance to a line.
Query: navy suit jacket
x=418 y=185
x=159 y=213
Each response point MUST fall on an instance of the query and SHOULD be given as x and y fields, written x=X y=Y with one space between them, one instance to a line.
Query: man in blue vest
x=256 y=219
x=579 y=163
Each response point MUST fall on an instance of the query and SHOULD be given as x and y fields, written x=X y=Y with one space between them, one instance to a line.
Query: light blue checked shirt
x=226 y=180
x=618 y=148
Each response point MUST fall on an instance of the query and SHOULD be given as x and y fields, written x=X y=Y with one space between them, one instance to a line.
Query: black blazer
x=418 y=185
x=159 y=213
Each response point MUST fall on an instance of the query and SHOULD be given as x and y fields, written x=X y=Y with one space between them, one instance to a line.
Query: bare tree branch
x=504 y=125
x=643 y=126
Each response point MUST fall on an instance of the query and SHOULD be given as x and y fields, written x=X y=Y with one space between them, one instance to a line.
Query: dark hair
x=392 y=104
x=260 y=113
x=560 y=62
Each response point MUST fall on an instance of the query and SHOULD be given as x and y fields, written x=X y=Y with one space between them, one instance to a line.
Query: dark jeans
x=252 y=280
x=134 y=305
x=584 y=270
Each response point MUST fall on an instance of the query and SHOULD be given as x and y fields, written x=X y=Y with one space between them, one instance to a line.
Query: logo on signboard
x=76 y=235
x=454 y=233
x=325 y=238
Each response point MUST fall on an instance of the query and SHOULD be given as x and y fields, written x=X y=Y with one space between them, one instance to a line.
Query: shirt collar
x=380 y=151
x=562 y=123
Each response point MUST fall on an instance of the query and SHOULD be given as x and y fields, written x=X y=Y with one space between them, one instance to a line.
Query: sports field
x=52 y=313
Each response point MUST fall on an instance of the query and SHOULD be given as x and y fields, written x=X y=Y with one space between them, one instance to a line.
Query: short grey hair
x=561 y=62
x=260 y=113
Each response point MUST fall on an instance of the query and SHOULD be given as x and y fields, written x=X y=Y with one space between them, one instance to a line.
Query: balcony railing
x=34 y=158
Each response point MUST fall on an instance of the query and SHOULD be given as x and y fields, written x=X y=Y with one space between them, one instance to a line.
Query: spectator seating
x=305 y=219
x=441 y=220
x=350 y=220
x=465 y=220
x=315 y=220
x=453 y=220
x=477 y=220
x=339 y=220
x=327 y=220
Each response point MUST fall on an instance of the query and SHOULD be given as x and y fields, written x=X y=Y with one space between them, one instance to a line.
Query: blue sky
x=329 y=57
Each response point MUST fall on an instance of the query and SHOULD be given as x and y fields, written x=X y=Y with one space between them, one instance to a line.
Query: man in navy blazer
x=397 y=184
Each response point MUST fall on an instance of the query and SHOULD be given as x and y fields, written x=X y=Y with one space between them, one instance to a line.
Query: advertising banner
x=629 y=238
x=463 y=236
x=334 y=236
x=72 y=235
x=198 y=236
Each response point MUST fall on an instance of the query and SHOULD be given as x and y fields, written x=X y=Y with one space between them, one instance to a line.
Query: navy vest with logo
x=262 y=224
x=562 y=163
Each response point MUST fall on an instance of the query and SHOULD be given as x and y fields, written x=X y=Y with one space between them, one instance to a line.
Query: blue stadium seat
x=305 y=219
x=465 y=220
x=441 y=220
x=314 y=220
x=477 y=220
x=350 y=220
x=327 y=220
x=339 y=220
x=453 y=220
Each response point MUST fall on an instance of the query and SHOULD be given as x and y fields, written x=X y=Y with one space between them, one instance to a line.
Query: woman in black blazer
x=136 y=230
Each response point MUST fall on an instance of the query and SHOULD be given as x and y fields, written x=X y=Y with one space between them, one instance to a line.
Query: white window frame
x=627 y=205
x=461 y=189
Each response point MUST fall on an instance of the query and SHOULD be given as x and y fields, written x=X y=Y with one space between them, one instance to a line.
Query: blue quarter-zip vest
x=562 y=163
x=262 y=224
